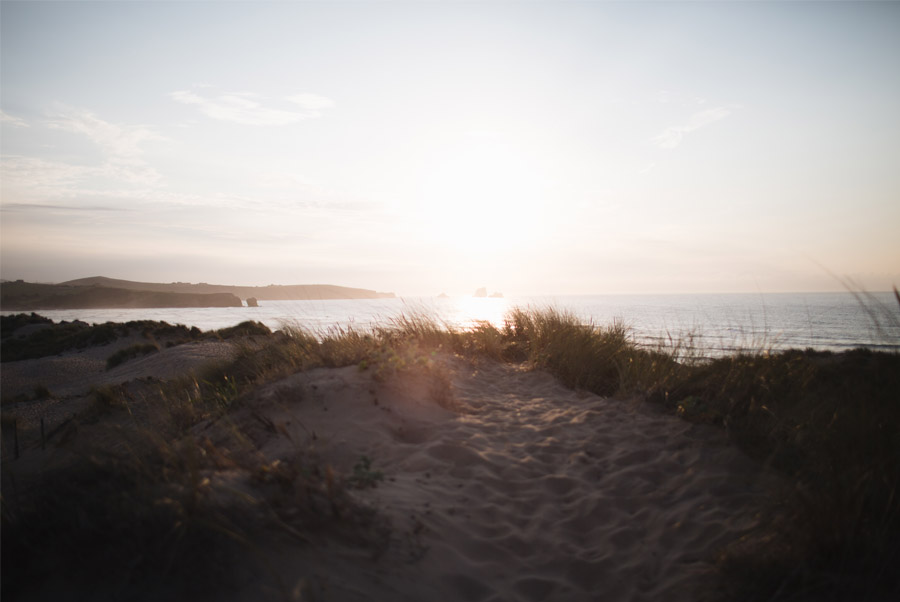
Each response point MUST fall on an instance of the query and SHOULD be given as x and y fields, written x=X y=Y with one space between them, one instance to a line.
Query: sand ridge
x=71 y=375
x=520 y=489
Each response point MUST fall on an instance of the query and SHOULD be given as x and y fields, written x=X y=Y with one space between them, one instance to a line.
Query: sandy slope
x=71 y=375
x=499 y=483
x=529 y=492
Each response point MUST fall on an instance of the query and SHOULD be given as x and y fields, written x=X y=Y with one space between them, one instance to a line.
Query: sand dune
x=475 y=480
x=71 y=375
x=515 y=489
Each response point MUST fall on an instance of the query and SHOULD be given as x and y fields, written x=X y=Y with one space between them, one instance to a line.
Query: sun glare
x=480 y=195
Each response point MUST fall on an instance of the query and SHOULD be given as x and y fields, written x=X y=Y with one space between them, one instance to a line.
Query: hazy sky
x=420 y=147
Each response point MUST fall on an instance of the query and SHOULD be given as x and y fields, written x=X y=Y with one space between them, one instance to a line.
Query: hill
x=29 y=296
x=272 y=292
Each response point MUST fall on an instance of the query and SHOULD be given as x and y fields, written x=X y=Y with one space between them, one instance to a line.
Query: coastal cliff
x=29 y=296
x=273 y=292
x=107 y=293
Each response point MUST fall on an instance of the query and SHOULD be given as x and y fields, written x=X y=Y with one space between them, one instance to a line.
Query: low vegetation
x=827 y=421
x=123 y=355
x=32 y=336
x=50 y=338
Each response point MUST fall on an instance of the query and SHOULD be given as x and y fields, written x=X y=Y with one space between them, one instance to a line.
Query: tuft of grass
x=246 y=328
x=441 y=389
x=826 y=421
x=417 y=326
x=55 y=338
x=137 y=505
x=11 y=323
x=104 y=400
x=41 y=391
x=582 y=356
x=114 y=522
x=123 y=355
x=363 y=476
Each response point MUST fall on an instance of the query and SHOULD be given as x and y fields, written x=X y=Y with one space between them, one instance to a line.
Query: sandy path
x=535 y=492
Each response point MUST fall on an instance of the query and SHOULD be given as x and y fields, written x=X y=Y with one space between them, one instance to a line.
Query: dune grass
x=55 y=338
x=827 y=421
x=123 y=355
x=136 y=502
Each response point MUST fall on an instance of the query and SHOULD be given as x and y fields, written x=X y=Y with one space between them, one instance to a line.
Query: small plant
x=441 y=389
x=247 y=328
x=223 y=393
x=41 y=391
x=104 y=400
x=363 y=476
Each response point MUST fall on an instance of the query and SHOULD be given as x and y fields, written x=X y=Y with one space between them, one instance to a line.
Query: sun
x=481 y=194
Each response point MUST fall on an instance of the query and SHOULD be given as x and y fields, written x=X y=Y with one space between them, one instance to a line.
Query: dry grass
x=135 y=497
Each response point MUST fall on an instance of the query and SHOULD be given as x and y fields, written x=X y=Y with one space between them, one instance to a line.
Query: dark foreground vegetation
x=31 y=336
x=139 y=466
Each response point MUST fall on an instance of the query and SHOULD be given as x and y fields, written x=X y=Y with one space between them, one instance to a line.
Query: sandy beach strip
x=490 y=481
x=522 y=490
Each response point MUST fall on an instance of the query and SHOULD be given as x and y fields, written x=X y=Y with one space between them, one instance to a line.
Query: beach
x=521 y=490
x=453 y=478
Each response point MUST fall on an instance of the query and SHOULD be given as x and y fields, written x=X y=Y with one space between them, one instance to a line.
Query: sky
x=424 y=146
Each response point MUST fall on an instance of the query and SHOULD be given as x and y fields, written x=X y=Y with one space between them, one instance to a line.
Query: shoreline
x=829 y=322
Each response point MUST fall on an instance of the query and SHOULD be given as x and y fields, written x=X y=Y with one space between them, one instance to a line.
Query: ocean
x=718 y=324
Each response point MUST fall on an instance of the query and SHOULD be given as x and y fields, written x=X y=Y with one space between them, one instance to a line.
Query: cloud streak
x=117 y=141
x=120 y=144
x=57 y=208
x=14 y=121
x=672 y=136
x=246 y=109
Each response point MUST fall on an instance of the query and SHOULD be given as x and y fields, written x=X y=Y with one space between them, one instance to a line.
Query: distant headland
x=100 y=292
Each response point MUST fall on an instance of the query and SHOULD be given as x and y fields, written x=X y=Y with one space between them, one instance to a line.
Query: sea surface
x=716 y=324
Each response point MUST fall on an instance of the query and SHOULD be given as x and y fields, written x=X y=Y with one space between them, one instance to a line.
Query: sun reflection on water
x=472 y=310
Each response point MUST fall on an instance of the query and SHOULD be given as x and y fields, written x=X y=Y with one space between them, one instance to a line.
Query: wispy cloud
x=57 y=208
x=120 y=144
x=14 y=121
x=312 y=104
x=36 y=182
x=672 y=136
x=248 y=109
x=121 y=171
x=26 y=178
